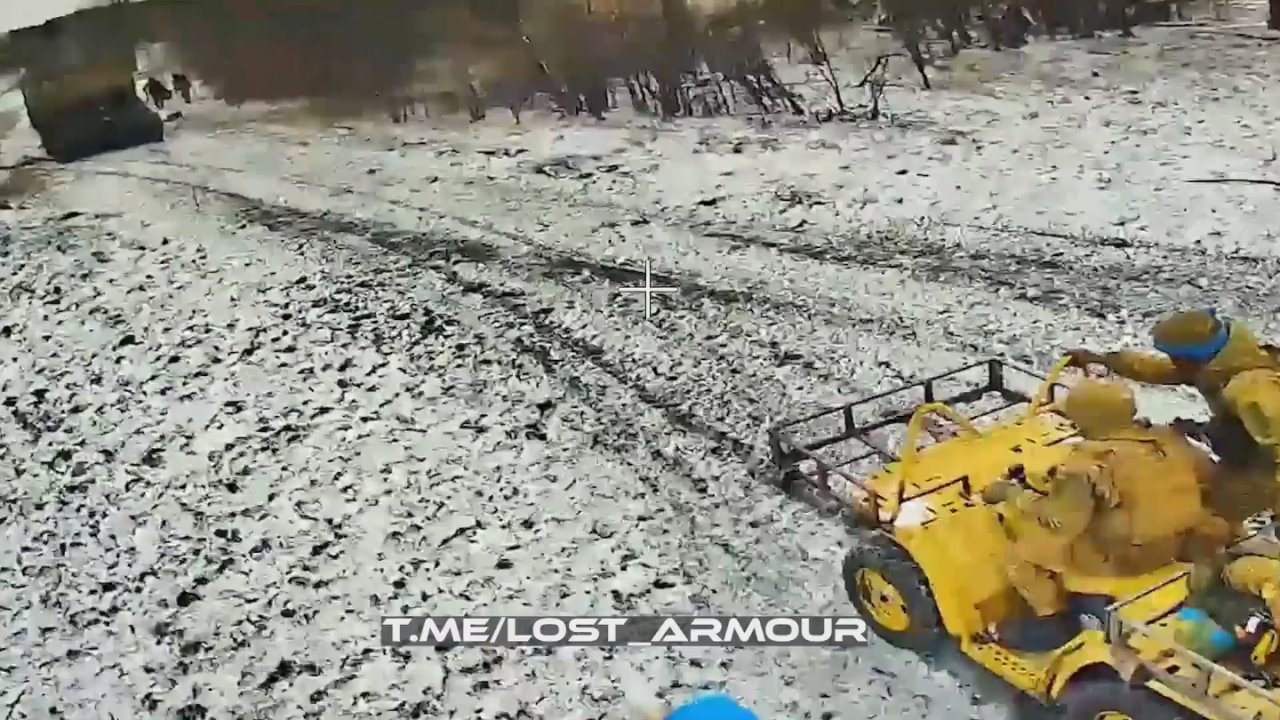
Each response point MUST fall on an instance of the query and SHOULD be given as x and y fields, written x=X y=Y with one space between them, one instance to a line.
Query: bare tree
x=803 y=21
x=875 y=82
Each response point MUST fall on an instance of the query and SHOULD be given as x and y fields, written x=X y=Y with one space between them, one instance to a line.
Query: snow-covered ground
x=261 y=386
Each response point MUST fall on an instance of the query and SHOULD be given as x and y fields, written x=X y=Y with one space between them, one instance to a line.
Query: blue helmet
x=1192 y=335
x=712 y=707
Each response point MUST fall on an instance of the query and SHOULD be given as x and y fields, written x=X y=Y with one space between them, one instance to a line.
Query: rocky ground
x=261 y=386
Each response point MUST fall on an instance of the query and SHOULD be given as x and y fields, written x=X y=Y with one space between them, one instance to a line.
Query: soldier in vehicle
x=157 y=92
x=1127 y=501
x=1239 y=378
x=1241 y=596
x=1257 y=575
x=182 y=86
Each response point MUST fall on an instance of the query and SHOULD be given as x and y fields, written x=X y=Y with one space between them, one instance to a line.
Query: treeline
x=668 y=57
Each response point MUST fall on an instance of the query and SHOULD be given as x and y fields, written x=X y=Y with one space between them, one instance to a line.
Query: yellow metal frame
x=1141 y=635
x=908 y=466
x=896 y=618
x=968 y=579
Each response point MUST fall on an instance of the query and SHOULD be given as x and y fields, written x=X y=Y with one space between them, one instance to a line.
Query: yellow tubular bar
x=1041 y=400
x=911 y=442
x=915 y=427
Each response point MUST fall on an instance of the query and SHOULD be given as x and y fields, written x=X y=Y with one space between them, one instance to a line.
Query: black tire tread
x=877 y=551
x=1085 y=700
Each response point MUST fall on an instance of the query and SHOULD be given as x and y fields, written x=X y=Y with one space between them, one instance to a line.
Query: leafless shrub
x=734 y=52
x=803 y=22
x=1008 y=23
x=668 y=62
x=362 y=56
x=875 y=82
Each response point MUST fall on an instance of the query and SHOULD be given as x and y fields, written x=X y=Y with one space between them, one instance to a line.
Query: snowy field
x=262 y=386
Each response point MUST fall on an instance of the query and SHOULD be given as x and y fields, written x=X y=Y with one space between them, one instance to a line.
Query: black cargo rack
x=787 y=451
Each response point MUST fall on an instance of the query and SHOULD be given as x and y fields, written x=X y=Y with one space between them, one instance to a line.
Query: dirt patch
x=20 y=184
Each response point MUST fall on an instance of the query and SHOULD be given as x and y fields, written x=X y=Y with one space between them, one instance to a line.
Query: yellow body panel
x=1042 y=675
x=1025 y=671
x=929 y=501
x=972 y=572
x=1089 y=649
x=1037 y=443
x=940 y=487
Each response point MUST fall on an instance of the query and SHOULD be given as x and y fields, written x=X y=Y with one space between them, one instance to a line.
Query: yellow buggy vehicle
x=906 y=470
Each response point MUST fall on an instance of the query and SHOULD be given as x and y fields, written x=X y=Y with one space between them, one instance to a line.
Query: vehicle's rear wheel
x=1114 y=700
x=892 y=593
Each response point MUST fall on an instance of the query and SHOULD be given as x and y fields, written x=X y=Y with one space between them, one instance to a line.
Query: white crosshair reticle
x=648 y=289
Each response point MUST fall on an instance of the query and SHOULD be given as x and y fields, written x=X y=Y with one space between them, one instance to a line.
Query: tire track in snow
x=725 y=575
x=823 y=286
x=1098 y=276
x=875 y=318
x=550 y=339
x=438 y=251
x=300 y=223
x=816 y=325
x=557 y=263
x=1072 y=278
x=1084 y=274
x=951 y=319
x=571 y=361
x=1024 y=344
x=1088 y=274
